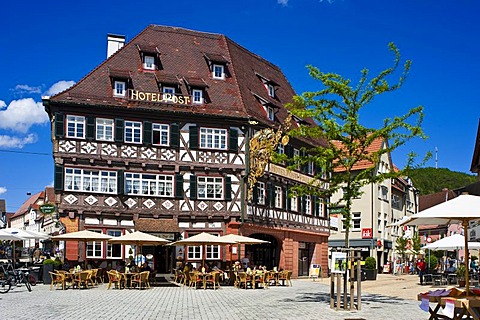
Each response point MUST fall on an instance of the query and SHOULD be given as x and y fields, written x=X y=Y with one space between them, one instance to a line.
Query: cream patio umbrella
x=138 y=239
x=243 y=240
x=462 y=209
x=203 y=239
x=83 y=236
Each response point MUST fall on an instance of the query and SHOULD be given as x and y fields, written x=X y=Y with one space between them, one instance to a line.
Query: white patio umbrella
x=138 y=239
x=203 y=239
x=23 y=234
x=84 y=236
x=453 y=242
x=7 y=236
x=462 y=209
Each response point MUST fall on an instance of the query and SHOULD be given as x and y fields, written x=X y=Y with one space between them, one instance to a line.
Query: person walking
x=421 y=267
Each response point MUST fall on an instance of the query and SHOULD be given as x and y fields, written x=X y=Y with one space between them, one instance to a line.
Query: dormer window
x=120 y=81
x=168 y=90
x=271 y=90
x=197 y=96
x=270 y=113
x=119 y=89
x=218 y=71
x=149 y=62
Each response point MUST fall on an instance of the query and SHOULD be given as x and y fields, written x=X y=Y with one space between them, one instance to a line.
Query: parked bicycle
x=10 y=277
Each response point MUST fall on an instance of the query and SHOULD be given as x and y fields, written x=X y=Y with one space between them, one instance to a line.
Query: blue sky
x=46 y=46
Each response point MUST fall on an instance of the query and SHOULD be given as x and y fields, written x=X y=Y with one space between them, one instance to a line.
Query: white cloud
x=3 y=190
x=24 y=88
x=59 y=87
x=282 y=2
x=17 y=142
x=21 y=114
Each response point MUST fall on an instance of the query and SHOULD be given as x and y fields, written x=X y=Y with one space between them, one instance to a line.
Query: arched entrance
x=267 y=254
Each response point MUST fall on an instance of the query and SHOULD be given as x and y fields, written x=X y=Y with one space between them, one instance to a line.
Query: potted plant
x=57 y=264
x=48 y=265
x=461 y=270
x=371 y=268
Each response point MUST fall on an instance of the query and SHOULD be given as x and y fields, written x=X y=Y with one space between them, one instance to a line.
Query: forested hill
x=431 y=180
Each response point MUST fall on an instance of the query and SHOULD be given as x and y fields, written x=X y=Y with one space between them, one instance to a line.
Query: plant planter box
x=46 y=275
x=371 y=274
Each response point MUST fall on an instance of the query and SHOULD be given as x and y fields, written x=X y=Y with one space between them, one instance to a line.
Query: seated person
x=120 y=266
x=145 y=267
x=451 y=269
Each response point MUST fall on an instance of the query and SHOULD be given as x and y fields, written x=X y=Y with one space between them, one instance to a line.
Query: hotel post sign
x=159 y=97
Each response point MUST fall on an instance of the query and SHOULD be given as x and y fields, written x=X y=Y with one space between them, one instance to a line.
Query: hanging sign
x=47 y=208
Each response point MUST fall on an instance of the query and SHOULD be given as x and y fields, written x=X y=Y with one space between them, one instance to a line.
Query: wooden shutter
x=270 y=195
x=58 y=182
x=255 y=194
x=284 y=197
x=174 y=135
x=90 y=128
x=233 y=140
x=179 y=186
x=193 y=187
x=119 y=127
x=228 y=188
x=120 y=182
x=193 y=139
x=59 y=125
x=147 y=133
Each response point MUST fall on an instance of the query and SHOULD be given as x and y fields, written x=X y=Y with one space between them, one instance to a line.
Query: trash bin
x=35 y=272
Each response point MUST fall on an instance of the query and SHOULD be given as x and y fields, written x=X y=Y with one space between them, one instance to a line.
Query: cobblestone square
x=306 y=299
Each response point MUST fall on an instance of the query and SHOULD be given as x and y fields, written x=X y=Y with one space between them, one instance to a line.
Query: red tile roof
x=375 y=146
x=28 y=203
x=187 y=54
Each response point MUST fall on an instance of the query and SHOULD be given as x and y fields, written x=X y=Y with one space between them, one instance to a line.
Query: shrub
x=432 y=262
x=370 y=263
x=48 y=261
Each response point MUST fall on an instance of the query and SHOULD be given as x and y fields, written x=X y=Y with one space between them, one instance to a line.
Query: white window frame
x=261 y=193
x=119 y=88
x=396 y=202
x=278 y=197
x=104 y=129
x=212 y=252
x=294 y=204
x=213 y=138
x=167 y=89
x=310 y=168
x=94 y=249
x=197 y=96
x=280 y=148
x=218 y=71
x=270 y=113
x=149 y=62
x=145 y=184
x=110 y=246
x=296 y=154
x=163 y=131
x=210 y=188
x=270 y=89
x=356 y=219
x=75 y=127
x=133 y=132
x=194 y=252
x=94 y=181
x=383 y=193
x=308 y=205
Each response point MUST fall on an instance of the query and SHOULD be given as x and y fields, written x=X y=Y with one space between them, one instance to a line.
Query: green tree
x=336 y=109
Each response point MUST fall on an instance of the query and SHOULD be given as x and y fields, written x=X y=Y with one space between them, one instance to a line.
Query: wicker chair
x=140 y=280
x=114 y=278
x=195 y=280
x=212 y=279
x=179 y=276
x=242 y=280
x=271 y=278
x=57 y=279
x=83 y=278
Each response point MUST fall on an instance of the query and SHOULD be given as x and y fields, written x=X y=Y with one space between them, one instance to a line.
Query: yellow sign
x=158 y=97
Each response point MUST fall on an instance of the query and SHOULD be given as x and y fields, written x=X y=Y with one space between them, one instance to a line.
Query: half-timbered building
x=156 y=138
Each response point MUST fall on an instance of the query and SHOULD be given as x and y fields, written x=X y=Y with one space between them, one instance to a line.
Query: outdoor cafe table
x=469 y=306
x=127 y=278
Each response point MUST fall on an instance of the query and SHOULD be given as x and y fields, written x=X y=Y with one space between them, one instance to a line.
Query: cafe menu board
x=315 y=271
